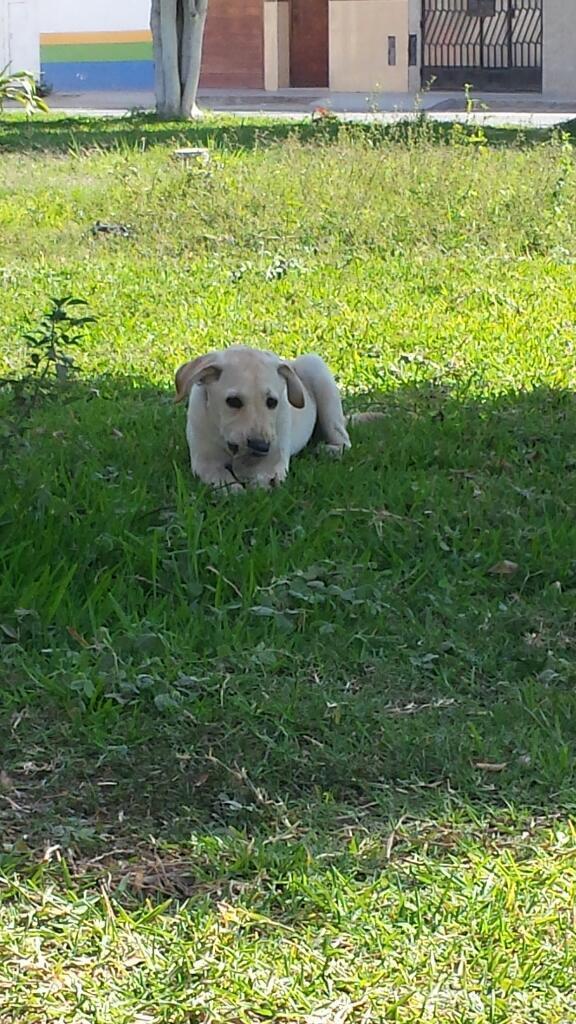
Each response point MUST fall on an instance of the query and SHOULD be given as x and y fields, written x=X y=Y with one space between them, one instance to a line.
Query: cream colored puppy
x=249 y=412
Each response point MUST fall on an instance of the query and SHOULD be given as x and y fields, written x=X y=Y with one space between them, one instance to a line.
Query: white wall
x=4 y=52
x=93 y=15
x=559 y=61
x=19 y=42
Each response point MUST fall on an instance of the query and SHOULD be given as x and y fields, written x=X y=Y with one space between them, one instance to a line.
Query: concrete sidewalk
x=525 y=109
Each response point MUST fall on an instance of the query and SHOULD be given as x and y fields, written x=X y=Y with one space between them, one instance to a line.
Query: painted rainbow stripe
x=85 y=61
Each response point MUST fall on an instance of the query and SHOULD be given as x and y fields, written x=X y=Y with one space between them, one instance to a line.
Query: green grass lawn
x=305 y=756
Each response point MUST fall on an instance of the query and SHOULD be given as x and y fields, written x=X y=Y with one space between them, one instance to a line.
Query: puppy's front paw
x=335 y=451
x=263 y=483
x=221 y=479
x=278 y=477
x=337 y=438
x=269 y=477
x=224 y=487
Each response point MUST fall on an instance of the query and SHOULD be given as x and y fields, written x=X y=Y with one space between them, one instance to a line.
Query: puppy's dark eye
x=234 y=402
x=271 y=403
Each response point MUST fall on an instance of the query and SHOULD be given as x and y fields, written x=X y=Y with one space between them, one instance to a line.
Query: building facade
x=367 y=46
x=102 y=44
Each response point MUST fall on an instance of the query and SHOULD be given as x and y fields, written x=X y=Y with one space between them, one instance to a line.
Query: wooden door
x=309 y=43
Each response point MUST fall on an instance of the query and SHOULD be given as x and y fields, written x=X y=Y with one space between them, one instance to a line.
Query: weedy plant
x=58 y=332
x=20 y=87
x=49 y=364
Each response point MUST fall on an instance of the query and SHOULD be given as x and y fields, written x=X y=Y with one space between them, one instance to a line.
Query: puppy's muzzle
x=256 y=446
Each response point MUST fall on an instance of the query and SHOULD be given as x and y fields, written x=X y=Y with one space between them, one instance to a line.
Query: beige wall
x=276 y=44
x=359 y=31
x=415 y=28
x=559 y=58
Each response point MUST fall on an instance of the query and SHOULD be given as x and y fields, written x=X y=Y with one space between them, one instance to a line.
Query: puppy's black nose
x=258 y=447
x=233 y=448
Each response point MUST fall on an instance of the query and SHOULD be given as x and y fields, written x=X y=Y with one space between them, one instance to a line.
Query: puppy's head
x=245 y=392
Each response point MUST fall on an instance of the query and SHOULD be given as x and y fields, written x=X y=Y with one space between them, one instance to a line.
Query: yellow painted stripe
x=60 y=38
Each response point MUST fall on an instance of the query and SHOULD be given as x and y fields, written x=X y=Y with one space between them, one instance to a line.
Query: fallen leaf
x=489 y=766
x=504 y=568
x=547 y=676
x=18 y=717
x=336 y=1012
x=76 y=636
x=134 y=961
x=52 y=852
x=138 y=878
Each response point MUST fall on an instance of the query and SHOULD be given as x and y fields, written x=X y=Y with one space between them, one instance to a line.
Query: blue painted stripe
x=86 y=76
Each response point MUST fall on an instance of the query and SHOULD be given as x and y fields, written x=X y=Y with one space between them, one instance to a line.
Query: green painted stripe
x=59 y=53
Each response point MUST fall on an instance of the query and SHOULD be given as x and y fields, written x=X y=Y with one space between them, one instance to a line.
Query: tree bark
x=157 y=49
x=177 y=33
x=171 y=70
x=193 y=37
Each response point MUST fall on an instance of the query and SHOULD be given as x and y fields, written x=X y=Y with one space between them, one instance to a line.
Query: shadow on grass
x=63 y=133
x=414 y=656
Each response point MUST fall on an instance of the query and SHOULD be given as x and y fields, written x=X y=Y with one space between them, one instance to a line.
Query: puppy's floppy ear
x=203 y=370
x=293 y=385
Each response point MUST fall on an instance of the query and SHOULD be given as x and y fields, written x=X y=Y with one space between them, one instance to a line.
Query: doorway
x=309 y=44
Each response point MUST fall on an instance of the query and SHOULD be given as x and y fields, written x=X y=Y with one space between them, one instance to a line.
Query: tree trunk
x=170 y=63
x=177 y=32
x=193 y=36
x=157 y=48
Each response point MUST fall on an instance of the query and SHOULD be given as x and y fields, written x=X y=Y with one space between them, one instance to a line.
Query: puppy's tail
x=356 y=418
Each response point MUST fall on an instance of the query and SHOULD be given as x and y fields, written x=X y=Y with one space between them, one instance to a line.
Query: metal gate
x=489 y=44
